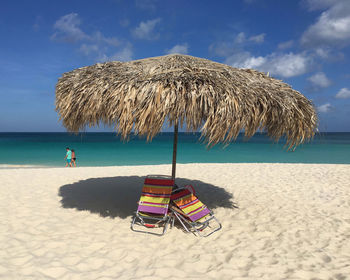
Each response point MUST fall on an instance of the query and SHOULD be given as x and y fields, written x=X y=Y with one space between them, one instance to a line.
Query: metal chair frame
x=153 y=222
x=195 y=227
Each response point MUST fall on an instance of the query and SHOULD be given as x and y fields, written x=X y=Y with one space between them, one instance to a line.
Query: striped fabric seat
x=155 y=196
x=190 y=205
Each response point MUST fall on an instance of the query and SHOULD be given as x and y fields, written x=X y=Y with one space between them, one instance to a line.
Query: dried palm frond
x=216 y=98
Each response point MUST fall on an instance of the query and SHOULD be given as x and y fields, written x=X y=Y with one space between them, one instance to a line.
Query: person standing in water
x=74 y=158
x=68 y=157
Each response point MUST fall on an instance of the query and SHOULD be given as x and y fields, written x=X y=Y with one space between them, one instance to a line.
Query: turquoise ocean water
x=104 y=149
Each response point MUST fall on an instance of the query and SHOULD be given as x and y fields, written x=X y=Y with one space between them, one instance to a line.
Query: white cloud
x=319 y=80
x=286 y=45
x=245 y=60
x=332 y=28
x=284 y=65
x=124 y=54
x=287 y=65
x=226 y=49
x=103 y=53
x=100 y=38
x=241 y=38
x=146 y=30
x=343 y=93
x=322 y=52
x=319 y=4
x=148 y=5
x=328 y=54
x=38 y=23
x=325 y=108
x=95 y=45
x=180 y=48
x=258 y=38
x=88 y=49
x=68 y=29
x=221 y=48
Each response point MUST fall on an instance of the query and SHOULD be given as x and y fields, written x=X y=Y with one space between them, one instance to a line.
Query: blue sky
x=305 y=43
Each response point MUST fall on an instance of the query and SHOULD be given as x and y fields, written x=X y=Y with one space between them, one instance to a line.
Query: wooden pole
x=174 y=152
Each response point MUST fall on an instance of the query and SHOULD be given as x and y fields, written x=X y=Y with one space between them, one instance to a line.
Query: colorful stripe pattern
x=190 y=205
x=155 y=196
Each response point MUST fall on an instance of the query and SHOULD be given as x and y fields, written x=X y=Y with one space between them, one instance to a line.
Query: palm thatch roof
x=202 y=94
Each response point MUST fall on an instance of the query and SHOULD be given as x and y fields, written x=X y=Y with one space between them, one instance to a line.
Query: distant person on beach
x=68 y=157
x=74 y=158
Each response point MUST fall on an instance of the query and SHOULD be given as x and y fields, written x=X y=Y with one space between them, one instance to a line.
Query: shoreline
x=292 y=222
x=30 y=166
x=22 y=166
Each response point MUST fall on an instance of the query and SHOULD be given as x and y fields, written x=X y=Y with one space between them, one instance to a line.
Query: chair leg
x=133 y=223
x=182 y=221
x=166 y=224
x=198 y=230
x=215 y=230
x=172 y=221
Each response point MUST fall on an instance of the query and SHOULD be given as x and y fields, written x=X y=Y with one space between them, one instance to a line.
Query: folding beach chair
x=153 y=206
x=193 y=215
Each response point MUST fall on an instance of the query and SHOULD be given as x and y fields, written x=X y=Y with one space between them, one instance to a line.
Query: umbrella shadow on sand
x=118 y=196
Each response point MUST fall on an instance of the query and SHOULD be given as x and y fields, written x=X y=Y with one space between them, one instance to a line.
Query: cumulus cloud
x=287 y=65
x=105 y=53
x=319 y=4
x=322 y=52
x=285 y=45
x=343 y=93
x=88 y=49
x=258 y=38
x=329 y=54
x=332 y=28
x=319 y=80
x=325 y=108
x=95 y=45
x=124 y=54
x=236 y=45
x=100 y=38
x=242 y=38
x=38 y=23
x=148 y=5
x=68 y=30
x=284 y=65
x=245 y=60
x=180 y=48
x=145 y=30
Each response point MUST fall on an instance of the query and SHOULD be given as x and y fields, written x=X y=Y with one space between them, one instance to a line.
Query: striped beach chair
x=193 y=215
x=153 y=206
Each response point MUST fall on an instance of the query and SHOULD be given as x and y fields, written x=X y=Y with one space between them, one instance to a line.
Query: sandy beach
x=292 y=222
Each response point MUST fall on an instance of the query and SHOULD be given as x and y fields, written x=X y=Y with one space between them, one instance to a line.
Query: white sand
x=293 y=222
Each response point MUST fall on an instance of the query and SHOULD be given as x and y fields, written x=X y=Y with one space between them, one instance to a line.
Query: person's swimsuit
x=69 y=156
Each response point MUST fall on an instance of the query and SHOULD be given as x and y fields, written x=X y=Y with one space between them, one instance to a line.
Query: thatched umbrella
x=221 y=100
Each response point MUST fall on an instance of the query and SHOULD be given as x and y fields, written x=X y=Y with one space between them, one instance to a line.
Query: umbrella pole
x=174 y=152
